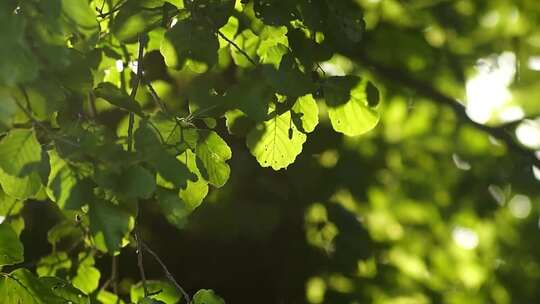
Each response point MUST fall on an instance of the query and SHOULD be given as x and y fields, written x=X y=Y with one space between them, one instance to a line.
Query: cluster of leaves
x=83 y=127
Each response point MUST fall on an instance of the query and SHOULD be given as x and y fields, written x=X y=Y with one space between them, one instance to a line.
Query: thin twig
x=138 y=77
x=114 y=275
x=112 y=10
x=500 y=133
x=237 y=47
x=167 y=273
x=41 y=125
x=156 y=98
x=140 y=261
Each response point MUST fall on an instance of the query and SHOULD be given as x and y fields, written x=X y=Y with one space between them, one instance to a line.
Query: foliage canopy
x=117 y=114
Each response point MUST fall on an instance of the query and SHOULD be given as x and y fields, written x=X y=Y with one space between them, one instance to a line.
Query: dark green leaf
x=65 y=290
x=190 y=39
x=169 y=168
x=66 y=187
x=109 y=225
x=22 y=287
x=173 y=208
x=117 y=97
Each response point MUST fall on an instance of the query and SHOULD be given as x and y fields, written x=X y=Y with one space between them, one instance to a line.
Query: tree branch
x=168 y=273
x=137 y=81
x=400 y=77
x=237 y=47
x=140 y=261
x=39 y=123
x=138 y=76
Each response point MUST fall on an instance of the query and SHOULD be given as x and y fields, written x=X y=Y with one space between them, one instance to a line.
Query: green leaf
x=306 y=110
x=9 y=205
x=11 y=249
x=150 y=301
x=349 y=112
x=175 y=209
x=20 y=152
x=373 y=96
x=137 y=182
x=51 y=264
x=190 y=39
x=207 y=296
x=65 y=186
x=117 y=97
x=106 y=297
x=228 y=30
x=168 y=167
x=249 y=43
x=271 y=144
x=79 y=14
x=22 y=287
x=345 y=23
x=213 y=152
x=65 y=290
x=135 y=18
x=18 y=63
x=238 y=123
x=289 y=80
x=66 y=229
x=195 y=191
x=217 y=11
x=20 y=187
x=167 y=294
x=109 y=224
x=8 y=108
x=275 y=12
x=21 y=162
x=87 y=276
x=252 y=98
x=307 y=50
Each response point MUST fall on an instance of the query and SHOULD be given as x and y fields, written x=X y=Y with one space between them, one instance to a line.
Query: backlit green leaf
x=167 y=294
x=195 y=191
x=207 y=296
x=271 y=144
x=349 y=112
x=20 y=152
x=213 y=152
x=11 y=249
x=307 y=111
